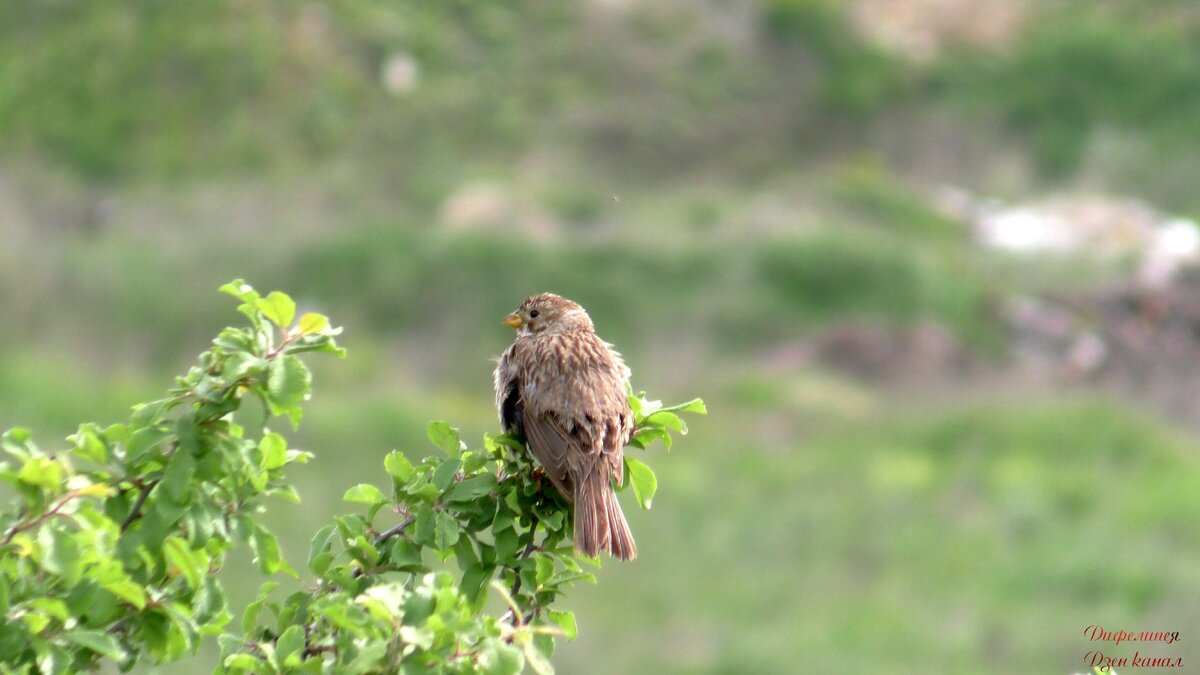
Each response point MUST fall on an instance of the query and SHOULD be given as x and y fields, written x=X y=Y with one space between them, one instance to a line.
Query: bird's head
x=548 y=313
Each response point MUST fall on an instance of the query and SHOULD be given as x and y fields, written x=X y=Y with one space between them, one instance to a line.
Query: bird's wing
x=508 y=391
x=553 y=448
x=573 y=408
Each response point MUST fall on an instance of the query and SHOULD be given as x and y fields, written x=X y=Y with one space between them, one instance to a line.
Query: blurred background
x=930 y=263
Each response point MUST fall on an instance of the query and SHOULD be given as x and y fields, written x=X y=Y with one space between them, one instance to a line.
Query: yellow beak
x=513 y=320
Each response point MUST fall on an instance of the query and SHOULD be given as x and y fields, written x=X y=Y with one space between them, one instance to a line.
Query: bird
x=563 y=390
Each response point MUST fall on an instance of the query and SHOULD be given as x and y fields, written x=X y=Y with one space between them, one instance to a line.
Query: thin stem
x=52 y=512
x=388 y=534
x=383 y=537
x=529 y=549
x=136 y=511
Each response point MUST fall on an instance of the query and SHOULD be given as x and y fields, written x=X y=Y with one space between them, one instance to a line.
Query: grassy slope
x=949 y=540
x=849 y=532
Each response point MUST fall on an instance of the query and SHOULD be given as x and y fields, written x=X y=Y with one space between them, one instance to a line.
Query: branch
x=136 y=511
x=529 y=548
x=388 y=534
x=50 y=513
x=384 y=536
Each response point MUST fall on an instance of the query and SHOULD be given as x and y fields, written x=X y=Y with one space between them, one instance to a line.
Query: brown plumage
x=563 y=388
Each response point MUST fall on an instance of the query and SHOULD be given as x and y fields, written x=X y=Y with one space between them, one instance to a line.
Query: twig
x=52 y=512
x=388 y=534
x=136 y=511
x=529 y=549
x=383 y=537
x=508 y=600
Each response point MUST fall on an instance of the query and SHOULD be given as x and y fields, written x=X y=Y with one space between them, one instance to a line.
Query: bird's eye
x=533 y=314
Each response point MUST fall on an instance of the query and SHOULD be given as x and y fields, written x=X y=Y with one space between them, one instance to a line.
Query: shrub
x=111 y=547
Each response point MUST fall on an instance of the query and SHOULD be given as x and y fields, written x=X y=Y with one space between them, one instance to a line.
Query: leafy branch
x=110 y=549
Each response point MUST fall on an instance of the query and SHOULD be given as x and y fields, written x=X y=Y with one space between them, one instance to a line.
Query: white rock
x=399 y=74
x=1171 y=246
x=1024 y=229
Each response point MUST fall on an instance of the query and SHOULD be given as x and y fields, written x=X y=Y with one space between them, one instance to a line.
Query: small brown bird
x=563 y=388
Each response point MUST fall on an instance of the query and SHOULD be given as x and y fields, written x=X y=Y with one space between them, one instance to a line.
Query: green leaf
x=364 y=493
x=368 y=659
x=443 y=476
x=101 y=643
x=36 y=621
x=425 y=492
x=52 y=607
x=445 y=437
x=116 y=433
x=566 y=621
x=464 y=552
x=553 y=521
x=188 y=432
x=210 y=605
x=643 y=408
x=89 y=444
x=128 y=591
x=350 y=526
x=60 y=554
x=180 y=556
x=288 y=382
x=500 y=658
x=319 y=564
x=693 y=406
x=397 y=464
x=537 y=661
x=506 y=545
x=145 y=440
x=278 y=308
x=422 y=527
x=322 y=541
x=668 y=420
x=312 y=322
x=42 y=472
x=405 y=553
x=266 y=551
x=176 y=483
x=647 y=435
x=472 y=488
x=239 y=289
x=474 y=581
x=445 y=531
x=242 y=364
x=290 y=643
x=545 y=570
x=571 y=576
x=16 y=442
x=274 y=451
x=250 y=616
x=245 y=662
x=645 y=484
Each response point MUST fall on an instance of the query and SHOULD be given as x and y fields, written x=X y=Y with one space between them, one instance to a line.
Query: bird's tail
x=599 y=522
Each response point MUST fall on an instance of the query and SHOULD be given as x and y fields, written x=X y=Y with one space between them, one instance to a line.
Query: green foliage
x=384 y=600
x=868 y=190
x=131 y=87
x=853 y=77
x=115 y=90
x=847 y=274
x=109 y=546
x=110 y=549
x=1086 y=69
